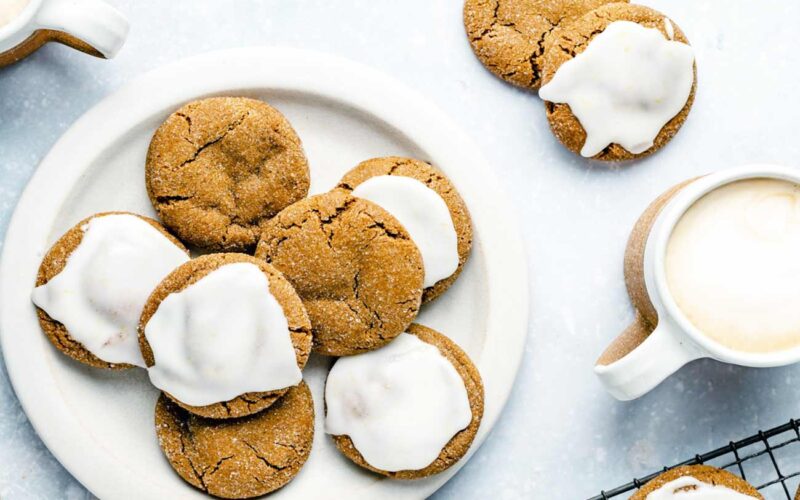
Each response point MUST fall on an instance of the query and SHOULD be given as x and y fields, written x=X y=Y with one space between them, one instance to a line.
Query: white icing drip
x=627 y=84
x=221 y=337
x=731 y=264
x=669 y=28
x=425 y=216
x=100 y=293
x=400 y=405
x=690 y=488
x=9 y=9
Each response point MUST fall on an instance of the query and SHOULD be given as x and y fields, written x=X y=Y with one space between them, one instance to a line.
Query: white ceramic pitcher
x=675 y=341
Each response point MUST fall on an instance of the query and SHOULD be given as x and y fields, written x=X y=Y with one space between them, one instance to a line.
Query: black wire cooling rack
x=769 y=460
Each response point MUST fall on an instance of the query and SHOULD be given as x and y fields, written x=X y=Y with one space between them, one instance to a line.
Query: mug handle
x=92 y=26
x=628 y=373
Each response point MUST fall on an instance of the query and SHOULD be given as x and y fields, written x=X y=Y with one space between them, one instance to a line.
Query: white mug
x=675 y=341
x=91 y=26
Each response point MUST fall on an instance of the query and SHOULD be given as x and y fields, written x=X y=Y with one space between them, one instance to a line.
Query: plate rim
x=363 y=88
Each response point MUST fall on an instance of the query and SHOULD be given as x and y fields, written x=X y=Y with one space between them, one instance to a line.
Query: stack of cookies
x=278 y=277
x=617 y=79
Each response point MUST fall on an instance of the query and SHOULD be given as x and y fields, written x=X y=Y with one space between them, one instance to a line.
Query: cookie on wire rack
x=697 y=479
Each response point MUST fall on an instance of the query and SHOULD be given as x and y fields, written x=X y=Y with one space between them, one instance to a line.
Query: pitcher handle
x=646 y=365
x=91 y=26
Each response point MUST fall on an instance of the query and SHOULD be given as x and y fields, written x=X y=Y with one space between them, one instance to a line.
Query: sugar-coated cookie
x=510 y=36
x=119 y=293
x=695 y=478
x=459 y=444
x=296 y=326
x=570 y=40
x=243 y=457
x=435 y=180
x=354 y=266
x=218 y=169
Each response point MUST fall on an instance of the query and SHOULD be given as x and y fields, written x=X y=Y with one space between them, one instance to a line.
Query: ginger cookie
x=209 y=333
x=695 y=478
x=218 y=169
x=384 y=444
x=646 y=316
x=510 y=36
x=354 y=266
x=124 y=256
x=243 y=457
x=643 y=106
x=460 y=224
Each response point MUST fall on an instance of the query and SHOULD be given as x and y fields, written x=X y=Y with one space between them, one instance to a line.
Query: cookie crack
x=356 y=295
x=326 y=221
x=230 y=128
x=353 y=310
x=384 y=230
x=379 y=328
x=195 y=472
x=264 y=459
x=250 y=400
x=169 y=199
x=396 y=165
x=187 y=118
x=533 y=60
x=210 y=471
x=495 y=22
x=375 y=317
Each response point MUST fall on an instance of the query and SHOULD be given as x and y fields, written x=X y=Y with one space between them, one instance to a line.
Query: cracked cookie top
x=217 y=361
x=218 y=169
x=354 y=266
x=572 y=39
x=434 y=179
x=511 y=36
x=95 y=280
x=243 y=457
x=454 y=449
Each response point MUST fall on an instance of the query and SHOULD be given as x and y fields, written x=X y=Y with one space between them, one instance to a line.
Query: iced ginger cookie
x=217 y=169
x=94 y=281
x=225 y=336
x=243 y=457
x=510 y=36
x=421 y=377
x=618 y=82
x=427 y=204
x=355 y=267
x=693 y=481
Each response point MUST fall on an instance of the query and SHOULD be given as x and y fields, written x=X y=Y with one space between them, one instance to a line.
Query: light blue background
x=560 y=436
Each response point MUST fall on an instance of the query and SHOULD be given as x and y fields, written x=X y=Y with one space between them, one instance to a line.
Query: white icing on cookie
x=732 y=264
x=425 y=216
x=100 y=293
x=400 y=404
x=221 y=337
x=690 y=488
x=628 y=83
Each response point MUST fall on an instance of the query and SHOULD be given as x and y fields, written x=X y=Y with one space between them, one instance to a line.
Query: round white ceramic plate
x=99 y=424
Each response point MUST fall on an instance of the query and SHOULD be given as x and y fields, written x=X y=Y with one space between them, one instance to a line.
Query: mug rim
x=662 y=299
x=17 y=25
